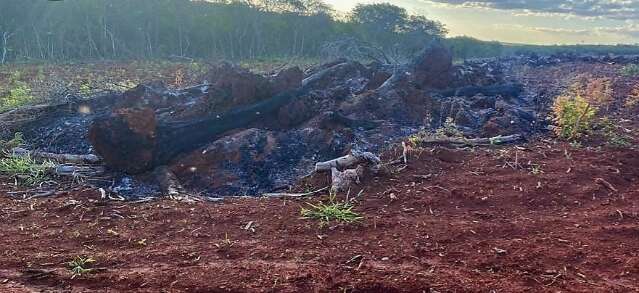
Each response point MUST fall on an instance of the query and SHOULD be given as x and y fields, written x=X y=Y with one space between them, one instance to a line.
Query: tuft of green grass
x=334 y=210
x=80 y=266
x=25 y=169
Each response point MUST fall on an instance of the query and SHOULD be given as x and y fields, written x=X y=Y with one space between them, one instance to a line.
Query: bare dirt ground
x=452 y=221
x=545 y=216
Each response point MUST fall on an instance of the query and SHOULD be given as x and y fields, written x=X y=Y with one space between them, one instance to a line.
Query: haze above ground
x=530 y=22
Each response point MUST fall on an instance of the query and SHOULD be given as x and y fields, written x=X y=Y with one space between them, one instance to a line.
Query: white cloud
x=629 y=30
x=610 y=9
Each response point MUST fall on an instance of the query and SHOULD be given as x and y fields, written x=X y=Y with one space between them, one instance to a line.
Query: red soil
x=543 y=217
x=476 y=225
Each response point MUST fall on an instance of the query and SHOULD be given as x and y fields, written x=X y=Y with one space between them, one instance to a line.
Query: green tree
x=393 y=29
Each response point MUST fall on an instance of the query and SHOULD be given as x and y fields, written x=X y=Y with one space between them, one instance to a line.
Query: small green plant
x=416 y=139
x=449 y=129
x=18 y=94
x=573 y=116
x=630 y=70
x=85 y=88
x=535 y=169
x=226 y=244
x=80 y=266
x=611 y=133
x=25 y=169
x=334 y=210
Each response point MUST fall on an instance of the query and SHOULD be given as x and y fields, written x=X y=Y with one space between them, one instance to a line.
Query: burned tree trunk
x=134 y=141
x=126 y=139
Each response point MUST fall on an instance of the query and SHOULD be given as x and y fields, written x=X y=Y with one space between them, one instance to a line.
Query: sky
x=528 y=21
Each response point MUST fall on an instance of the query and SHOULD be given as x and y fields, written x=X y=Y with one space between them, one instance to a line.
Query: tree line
x=76 y=30
x=247 y=29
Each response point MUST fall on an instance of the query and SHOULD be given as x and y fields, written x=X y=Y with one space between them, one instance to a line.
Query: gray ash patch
x=63 y=134
x=64 y=129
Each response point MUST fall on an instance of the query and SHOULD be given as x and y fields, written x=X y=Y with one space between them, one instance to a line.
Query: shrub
x=573 y=116
x=599 y=91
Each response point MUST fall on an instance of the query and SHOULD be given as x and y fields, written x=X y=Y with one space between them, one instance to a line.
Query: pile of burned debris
x=241 y=133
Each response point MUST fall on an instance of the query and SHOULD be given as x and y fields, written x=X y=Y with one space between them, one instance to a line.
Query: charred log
x=335 y=118
x=433 y=66
x=126 y=139
x=134 y=141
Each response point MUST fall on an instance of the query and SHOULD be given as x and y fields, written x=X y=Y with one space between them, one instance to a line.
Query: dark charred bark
x=134 y=141
x=334 y=118
x=176 y=138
